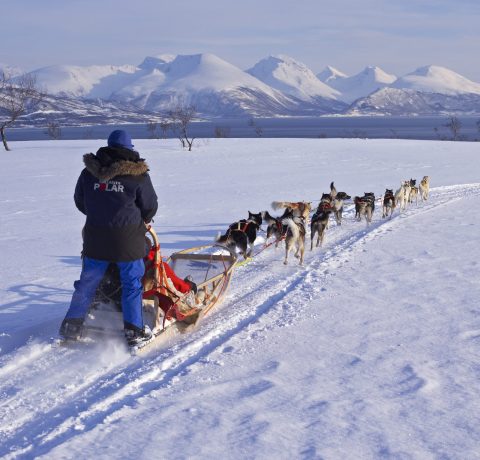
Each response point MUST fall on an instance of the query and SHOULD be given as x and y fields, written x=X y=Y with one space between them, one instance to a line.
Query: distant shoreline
x=371 y=127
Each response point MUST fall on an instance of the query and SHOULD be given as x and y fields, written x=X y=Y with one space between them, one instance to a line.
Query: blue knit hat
x=120 y=138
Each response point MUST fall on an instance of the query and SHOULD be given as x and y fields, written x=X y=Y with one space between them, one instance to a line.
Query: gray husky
x=295 y=237
x=319 y=224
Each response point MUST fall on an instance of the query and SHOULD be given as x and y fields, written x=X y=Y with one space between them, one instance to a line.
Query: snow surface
x=370 y=350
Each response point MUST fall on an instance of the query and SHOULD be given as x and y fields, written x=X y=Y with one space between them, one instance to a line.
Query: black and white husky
x=319 y=224
x=242 y=235
x=275 y=227
x=338 y=199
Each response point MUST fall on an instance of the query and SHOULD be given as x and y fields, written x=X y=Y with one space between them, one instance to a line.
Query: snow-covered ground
x=370 y=350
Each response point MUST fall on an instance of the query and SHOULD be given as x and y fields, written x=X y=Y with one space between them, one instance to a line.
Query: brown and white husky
x=298 y=209
x=424 y=188
x=389 y=203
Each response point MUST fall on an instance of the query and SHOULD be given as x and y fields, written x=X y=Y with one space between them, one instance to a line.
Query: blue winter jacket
x=116 y=194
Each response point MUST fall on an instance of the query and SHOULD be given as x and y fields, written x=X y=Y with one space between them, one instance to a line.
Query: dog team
x=292 y=225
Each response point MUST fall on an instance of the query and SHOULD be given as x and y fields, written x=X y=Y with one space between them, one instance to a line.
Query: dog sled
x=208 y=268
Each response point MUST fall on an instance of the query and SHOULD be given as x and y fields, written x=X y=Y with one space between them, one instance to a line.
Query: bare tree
x=152 y=128
x=165 y=125
x=54 y=131
x=88 y=132
x=454 y=125
x=181 y=118
x=258 y=130
x=18 y=96
x=221 y=131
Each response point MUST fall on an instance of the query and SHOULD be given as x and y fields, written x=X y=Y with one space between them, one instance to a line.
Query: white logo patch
x=108 y=186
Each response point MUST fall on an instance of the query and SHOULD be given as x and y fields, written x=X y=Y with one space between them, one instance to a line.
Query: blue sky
x=397 y=35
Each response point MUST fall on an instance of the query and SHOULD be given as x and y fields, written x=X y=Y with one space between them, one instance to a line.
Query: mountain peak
x=437 y=79
x=330 y=73
x=291 y=77
x=377 y=73
x=10 y=71
x=370 y=79
x=153 y=62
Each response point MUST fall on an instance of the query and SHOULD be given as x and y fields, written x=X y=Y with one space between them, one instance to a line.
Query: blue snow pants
x=93 y=270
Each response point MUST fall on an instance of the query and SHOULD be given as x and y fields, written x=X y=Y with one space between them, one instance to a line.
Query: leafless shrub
x=88 y=133
x=258 y=130
x=165 y=124
x=221 y=131
x=54 y=131
x=152 y=128
x=18 y=96
x=181 y=117
x=454 y=125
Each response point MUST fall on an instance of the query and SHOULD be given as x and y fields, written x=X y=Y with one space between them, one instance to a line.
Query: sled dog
x=337 y=203
x=364 y=206
x=326 y=202
x=413 y=191
x=275 y=227
x=406 y=190
x=333 y=191
x=424 y=188
x=369 y=199
x=298 y=209
x=295 y=237
x=400 y=198
x=388 y=203
x=319 y=224
x=242 y=234
x=364 y=209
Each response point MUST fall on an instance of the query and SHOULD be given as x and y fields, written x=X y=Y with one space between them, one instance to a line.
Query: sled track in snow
x=39 y=418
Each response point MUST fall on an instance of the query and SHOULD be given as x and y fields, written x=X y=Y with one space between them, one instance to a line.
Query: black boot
x=136 y=336
x=71 y=328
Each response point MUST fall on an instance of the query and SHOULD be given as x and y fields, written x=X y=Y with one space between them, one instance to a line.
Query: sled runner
x=165 y=303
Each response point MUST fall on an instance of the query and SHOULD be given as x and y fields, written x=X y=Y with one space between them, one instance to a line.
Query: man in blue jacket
x=116 y=194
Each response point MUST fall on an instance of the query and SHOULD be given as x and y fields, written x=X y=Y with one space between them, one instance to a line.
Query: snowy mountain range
x=275 y=86
x=366 y=82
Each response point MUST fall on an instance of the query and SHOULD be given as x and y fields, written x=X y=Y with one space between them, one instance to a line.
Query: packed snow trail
x=48 y=396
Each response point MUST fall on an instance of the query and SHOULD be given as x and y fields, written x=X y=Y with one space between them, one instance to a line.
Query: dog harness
x=243 y=225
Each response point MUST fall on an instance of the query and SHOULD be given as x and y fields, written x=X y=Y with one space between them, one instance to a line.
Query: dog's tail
x=290 y=223
x=333 y=190
x=222 y=239
x=280 y=204
x=268 y=218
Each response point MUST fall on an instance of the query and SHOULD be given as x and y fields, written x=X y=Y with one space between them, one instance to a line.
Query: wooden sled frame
x=209 y=291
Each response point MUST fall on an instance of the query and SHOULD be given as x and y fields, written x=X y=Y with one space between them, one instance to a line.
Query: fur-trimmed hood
x=108 y=163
